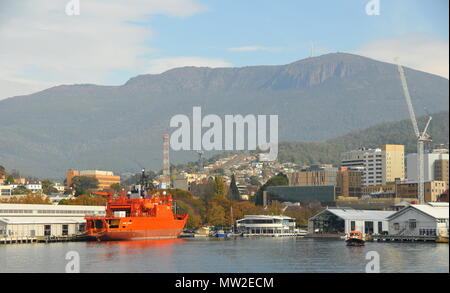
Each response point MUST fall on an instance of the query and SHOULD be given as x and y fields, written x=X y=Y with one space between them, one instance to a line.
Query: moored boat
x=355 y=239
x=137 y=219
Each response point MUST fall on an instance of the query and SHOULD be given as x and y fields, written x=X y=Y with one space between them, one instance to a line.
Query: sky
x=110 y=41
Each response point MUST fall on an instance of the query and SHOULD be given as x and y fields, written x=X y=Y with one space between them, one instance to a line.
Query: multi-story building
x=105 y=178
x=433 y=190
x=441 y=170
x=6 y=190
x=429 y=162
x=316 y=175
x=348 y=183
x=381 y=165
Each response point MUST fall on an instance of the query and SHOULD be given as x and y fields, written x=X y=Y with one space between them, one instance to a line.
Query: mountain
x=401 y=132
x=120 y=128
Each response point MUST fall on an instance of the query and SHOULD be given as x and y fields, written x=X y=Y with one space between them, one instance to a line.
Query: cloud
x=40 y=44
x=253 y=48
x=163 y=64
x=418 y=51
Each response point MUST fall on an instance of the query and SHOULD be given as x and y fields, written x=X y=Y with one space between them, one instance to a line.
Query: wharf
x=325 y=236
x=402 y=238
x=41 y=239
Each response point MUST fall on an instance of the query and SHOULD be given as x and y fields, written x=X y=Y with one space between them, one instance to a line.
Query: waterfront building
x=380 y=165
x=373 y=203
x=433 y=161
x=341 y=221
x=431 y=219
x=29 y=220
x=261 y=225
x=105 y=178
x=325 y=194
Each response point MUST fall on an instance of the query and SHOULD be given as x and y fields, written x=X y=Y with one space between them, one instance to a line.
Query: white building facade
x=261 y=225
x=345 y=220
x=379 y=165
x=28 y=220
x=429 y=160
x=424 y=220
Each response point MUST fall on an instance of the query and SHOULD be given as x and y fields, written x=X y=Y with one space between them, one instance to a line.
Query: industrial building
x=28 y=220
x=420 y=220
x=343 y=220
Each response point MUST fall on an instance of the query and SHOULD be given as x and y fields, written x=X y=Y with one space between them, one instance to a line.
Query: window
x=412 y=224
x=47 y=230
x=396 y=226
x=65 y=230
x=368 y=227
x=352 y=225
x=380 y=227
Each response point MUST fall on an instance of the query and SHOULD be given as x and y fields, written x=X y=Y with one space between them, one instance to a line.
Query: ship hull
x=140 y=235
x=138 y=228
x=355 y=242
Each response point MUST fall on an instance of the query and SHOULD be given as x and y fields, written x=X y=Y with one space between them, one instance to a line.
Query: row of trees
x=222 y=209
x=27 y=199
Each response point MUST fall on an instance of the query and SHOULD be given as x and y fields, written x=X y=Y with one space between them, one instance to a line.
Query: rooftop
x=435 y=210
x=352 y=214
x=41 y=220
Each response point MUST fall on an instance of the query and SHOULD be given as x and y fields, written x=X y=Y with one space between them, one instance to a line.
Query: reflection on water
x=213 y=255
x=108 y=250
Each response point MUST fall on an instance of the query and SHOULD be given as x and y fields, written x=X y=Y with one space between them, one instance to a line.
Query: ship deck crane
x=421 y=137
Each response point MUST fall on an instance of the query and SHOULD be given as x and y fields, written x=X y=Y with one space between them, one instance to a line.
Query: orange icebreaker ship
x=137 y=219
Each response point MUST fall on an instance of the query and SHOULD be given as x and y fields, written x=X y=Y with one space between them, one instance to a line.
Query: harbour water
x=242 y=255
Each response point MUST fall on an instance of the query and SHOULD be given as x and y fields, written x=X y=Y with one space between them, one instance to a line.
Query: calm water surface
x=243 y=255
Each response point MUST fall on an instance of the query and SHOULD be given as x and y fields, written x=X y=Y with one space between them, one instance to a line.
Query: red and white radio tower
x=166 y=161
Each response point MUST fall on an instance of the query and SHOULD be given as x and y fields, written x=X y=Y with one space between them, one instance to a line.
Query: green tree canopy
x=47 y=187
x=219 y=186
x=82 y=184
x=279 y=180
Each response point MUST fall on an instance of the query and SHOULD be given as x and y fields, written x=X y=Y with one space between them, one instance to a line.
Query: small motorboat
x=355 y=239
x=222 y=234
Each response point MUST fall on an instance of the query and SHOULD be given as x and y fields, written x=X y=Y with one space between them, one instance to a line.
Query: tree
x=9 y=180
x=47 y=187
x=82 y=184
x=215 y=215
x=219 y=186
x=85 y=200
x=20 y=190
x=233 y=190
x=279 y=180
x=117 y=187
x=29 y=199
